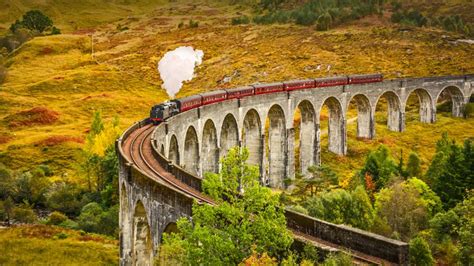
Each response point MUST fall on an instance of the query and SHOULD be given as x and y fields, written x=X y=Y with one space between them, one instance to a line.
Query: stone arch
x=229 y=134
x=457 y=99
x=142 y=242
x=209 y=151
x=191 y=151
x=126 y=229
x=365 y=119
x=252 y=137
x=169 y=228
x=336 y=127
x=426 y=105
x=394 y=114
x=276 y=146
x=173 y=153
x=307 y=136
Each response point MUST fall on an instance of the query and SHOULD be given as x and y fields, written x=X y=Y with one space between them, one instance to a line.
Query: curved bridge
x=161 y=167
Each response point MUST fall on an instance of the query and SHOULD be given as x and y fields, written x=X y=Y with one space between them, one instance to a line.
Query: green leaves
x=247 y=217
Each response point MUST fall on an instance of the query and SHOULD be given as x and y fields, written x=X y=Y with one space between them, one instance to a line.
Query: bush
x=56 y=218
x=70 y=224
x=339 y=259
x=65 y=198
x=24 y=214
x=468 y=110
x=240 y=20
x=193 y=24
x=61 y=235
x=33 y=20
x=420 y=253
x=90 y=217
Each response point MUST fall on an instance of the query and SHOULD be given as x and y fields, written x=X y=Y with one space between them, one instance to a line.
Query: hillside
x=60 y=73
x=46 y=245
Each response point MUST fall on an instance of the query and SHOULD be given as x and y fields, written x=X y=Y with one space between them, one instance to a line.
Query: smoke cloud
x=177 y=66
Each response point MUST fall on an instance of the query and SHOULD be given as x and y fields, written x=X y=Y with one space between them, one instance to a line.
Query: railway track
x=138 y=150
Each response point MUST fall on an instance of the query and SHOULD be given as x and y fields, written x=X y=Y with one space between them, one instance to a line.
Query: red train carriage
x=332 y=81
x=299 y=84
x=213 y=97
x=236 y=93
x=268 y=88
x=358 y=79
x=189 y=103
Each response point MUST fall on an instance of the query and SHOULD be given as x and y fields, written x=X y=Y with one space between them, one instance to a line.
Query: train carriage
x=331 y=81
x=213 y=97
x=240 y=92
x=299 y=84
x=188 y=103
x=268 y=88
x=358 y=79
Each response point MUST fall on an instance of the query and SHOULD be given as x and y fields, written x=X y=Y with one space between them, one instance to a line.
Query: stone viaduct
x=191 y=143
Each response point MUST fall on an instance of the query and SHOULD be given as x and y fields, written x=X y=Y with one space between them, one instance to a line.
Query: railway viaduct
x=161 y=167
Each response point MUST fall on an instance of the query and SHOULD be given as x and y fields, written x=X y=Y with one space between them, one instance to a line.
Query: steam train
x=161 y=112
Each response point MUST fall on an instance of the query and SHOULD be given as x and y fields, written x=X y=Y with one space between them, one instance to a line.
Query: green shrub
x=24 y=214
x=193 y=24
x=240 y=20
x=56 y=218
x=70 y=224
x=420 y=253
x=61 y=235
x=339 y=259
x=468 y=110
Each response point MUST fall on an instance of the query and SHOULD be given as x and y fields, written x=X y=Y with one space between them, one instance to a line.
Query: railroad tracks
x=139 y=151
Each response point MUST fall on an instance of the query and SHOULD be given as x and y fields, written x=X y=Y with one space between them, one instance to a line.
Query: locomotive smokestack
x=177 y=66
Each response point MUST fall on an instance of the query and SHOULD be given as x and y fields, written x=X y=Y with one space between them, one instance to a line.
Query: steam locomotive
x=163 y=111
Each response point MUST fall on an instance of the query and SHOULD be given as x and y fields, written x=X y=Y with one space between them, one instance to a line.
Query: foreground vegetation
x=48 y=245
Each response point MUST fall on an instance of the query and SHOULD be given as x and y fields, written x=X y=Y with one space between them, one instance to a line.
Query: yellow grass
x=41 y=245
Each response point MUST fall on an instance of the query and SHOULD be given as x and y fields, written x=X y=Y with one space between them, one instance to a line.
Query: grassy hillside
x=60 y=76
x=46 y=245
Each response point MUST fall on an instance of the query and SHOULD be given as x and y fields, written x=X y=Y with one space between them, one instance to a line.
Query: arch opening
x=210 y=151
x=359 y=112
x=305 y=137
x=191 y=151
x=418 y=106
x=333 y=125
x=229 y=134
x=450 y=99
x=275 y=132
x=252 y=137
x=142 y=243
x=393 y=118
x=173 y=153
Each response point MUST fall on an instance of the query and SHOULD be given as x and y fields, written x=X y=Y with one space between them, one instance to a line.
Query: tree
x=321 y=178
x=420 y=253
x=90 y=217
x=380 y=166
x=250 y=221
x=36 y=20
x=451 y=172
x=343 y=207
x=413 y=165
x=401 y=207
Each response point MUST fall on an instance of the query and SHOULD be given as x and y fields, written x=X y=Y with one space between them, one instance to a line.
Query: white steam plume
x=178 y=66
